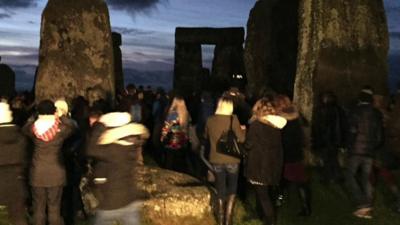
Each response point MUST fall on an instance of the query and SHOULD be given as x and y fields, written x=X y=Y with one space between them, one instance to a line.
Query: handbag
x=227 y=144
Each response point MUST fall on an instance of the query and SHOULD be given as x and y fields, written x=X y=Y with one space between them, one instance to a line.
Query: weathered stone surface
x=212 y=36
x=343 y=45
x=228 y=60
x=228 y=57
x=76 y=50
x=118 y=69
x=175 y=198
x=271 y=46
x=188 y=67
x=7 y=81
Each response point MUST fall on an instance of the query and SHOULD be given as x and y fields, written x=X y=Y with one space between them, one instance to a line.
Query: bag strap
x=230 y=128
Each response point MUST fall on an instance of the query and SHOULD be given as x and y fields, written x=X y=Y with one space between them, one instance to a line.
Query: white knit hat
x=115 y=119
x=5 y=113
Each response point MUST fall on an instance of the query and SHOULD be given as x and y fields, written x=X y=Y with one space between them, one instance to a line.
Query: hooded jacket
x=265 y=155
x=112 y=145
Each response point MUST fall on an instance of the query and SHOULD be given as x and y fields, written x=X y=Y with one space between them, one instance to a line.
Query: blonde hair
x=178 y=105
x=224 y=107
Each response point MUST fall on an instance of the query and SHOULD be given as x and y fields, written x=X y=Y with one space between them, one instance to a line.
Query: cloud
x=12 y=4
x=133 y=7
x=131 y=31
x=5 y=15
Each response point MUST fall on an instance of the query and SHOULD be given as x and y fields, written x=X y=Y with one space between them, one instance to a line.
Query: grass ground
x=331 y=206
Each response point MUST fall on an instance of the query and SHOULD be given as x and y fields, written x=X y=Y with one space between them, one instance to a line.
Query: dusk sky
x=147 y=26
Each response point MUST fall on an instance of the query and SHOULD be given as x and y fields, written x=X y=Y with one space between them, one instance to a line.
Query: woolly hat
x=5 y=113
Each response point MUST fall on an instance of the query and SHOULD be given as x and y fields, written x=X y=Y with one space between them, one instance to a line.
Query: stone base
x=175 y=198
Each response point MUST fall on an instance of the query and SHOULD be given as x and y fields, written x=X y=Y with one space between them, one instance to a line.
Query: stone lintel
x=206 y=35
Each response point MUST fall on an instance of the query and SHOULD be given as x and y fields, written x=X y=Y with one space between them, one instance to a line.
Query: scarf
x=46 y=127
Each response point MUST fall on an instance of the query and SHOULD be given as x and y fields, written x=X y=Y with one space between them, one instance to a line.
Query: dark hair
x=365 y=97
x=46 y=107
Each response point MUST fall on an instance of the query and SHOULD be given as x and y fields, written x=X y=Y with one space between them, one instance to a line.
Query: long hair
x=178 y=105
x=224 y=106
x=264 y=107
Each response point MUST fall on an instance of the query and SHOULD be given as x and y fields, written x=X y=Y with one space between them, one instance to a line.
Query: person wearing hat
x=13 y=161
x=365 y=138
x=47 y=171
x=113 y=146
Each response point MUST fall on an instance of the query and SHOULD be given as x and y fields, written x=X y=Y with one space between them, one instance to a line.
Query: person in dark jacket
x=47 y=172
x=366 y=136
x=294 y=171
x=226 y=168
x=112 y=145
x=329 y=135
x=13 y=162
x=265 y=155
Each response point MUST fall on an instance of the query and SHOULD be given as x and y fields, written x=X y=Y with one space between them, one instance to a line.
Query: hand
x=243 y=127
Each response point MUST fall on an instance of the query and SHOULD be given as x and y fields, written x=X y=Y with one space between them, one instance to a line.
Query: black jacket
x=366 y=130
x=265 y=156
x=13 y=161
x=47 y=168
x=117 y=164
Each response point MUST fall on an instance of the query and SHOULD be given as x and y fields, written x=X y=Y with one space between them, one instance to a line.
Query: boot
x=230 y=204
x=305 y=198
x=220 y=212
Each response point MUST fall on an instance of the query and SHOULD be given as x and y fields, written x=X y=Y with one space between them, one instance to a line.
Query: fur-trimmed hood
x=5 y=113
x=117 y=134
x=278 y=122
x=115 y=119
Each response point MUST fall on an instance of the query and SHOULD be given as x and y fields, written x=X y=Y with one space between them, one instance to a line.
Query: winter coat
x=114 y=151
x=329 y=127
x=13 y=162
x=216 y=125
x=47 y=167
x=293 y=141
x=265 y=155
x=366 y=130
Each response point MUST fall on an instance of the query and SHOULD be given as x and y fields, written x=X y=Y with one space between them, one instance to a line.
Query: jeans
x=226 y=179
x=362 y=190
x=128 y=215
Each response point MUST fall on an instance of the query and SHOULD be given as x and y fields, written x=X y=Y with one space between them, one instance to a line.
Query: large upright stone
x=270 y=53
x=118 y=69
x=7 y=81
x=228 y=57
x=76 y=51
x=343 y=45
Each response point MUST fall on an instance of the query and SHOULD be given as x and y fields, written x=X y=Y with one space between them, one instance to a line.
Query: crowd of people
x=48 y=148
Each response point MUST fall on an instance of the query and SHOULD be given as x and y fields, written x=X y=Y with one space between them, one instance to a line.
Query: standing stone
x=270 y=53
x=118 y=70
x=228 y=57
x=228 y=61
x=188 y=67
x=343 y=45
x=7 y=81
x=76 y=51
